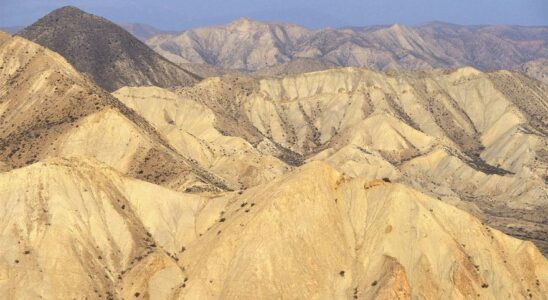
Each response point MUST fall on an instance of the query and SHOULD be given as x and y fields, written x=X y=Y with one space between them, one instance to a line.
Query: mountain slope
x=488 y=47
x=104 y=51
x=98 y=234
x=48 y=109
x=296 y=66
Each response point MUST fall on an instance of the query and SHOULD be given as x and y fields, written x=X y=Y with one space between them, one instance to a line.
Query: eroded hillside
x=464 y=134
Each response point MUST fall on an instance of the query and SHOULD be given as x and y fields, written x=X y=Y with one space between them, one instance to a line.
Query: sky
x=184 y=14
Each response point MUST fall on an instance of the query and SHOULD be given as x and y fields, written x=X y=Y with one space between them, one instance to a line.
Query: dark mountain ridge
x=111 y=56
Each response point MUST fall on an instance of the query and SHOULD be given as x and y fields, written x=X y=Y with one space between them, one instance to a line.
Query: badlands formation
x=346 y=183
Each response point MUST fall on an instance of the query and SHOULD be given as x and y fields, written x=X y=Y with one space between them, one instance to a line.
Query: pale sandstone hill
x=190 y=128
x=462 y=134
x=49 y=109
x=488 y=47
x=76 y=229
x=104 y=51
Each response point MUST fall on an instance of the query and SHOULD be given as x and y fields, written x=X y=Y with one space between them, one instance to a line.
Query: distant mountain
x=488 y=47
x=111 y=56
x=143 y=31
x=251 y=45
x=12 y=29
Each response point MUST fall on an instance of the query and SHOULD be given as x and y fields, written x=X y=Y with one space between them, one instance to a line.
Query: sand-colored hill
x=312 y=233
x=104 y=51
x=76 y=229
x=190 y=128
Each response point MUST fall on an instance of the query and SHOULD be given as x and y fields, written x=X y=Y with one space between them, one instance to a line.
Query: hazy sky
x=181 y=14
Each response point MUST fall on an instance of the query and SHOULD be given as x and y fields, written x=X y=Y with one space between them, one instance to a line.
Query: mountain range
x=268 y=182
x=250 y=45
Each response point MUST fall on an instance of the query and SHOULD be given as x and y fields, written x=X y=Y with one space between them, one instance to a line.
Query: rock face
x=251 y=45
x=312 y=233
x=105 y=52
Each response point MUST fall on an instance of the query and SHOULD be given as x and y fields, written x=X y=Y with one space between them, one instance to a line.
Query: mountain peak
x=110 y=55
x=398 y=27
x=245 y=23
x=68 y=10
